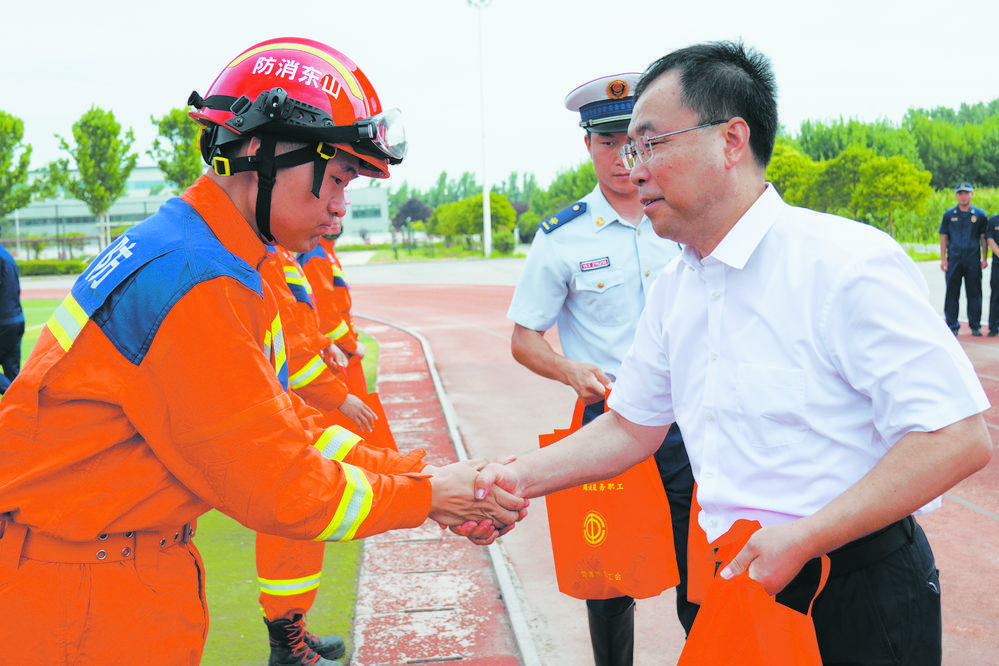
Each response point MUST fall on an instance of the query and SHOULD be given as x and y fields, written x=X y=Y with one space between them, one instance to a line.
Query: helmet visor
x=386 y=133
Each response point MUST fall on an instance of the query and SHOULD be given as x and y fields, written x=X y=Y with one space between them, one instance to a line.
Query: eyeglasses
x=640 y=151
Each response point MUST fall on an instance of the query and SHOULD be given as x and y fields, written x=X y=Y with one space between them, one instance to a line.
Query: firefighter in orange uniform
x=158 y=389
x=325 y=273
x=289 y=571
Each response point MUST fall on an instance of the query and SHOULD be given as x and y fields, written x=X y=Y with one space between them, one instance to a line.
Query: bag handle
x=729 y=544
x=577 y=414
x=826 y=566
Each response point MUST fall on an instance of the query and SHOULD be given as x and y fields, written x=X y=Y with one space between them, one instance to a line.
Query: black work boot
x=613 y=638
x=291 y=645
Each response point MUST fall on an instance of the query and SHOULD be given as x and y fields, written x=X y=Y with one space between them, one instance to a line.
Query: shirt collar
x=741 y=241
x=225 y=221
x=602 y=214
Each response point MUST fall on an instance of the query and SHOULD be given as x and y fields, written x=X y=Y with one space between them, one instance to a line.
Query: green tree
x=943 y=149
x=175 y=149
x=825 y=142
x=791 y=172
x=832 y=188
x=887 y=188
x=569 y=186
x=15 y=156
x=102 y=160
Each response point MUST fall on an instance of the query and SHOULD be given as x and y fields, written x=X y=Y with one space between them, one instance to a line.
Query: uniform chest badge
x=594 y=264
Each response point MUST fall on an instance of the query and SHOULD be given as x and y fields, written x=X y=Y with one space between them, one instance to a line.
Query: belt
x=872 y=548
x=105 y=548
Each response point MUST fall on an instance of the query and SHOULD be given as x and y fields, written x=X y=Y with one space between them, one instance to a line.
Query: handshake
x=472 y=507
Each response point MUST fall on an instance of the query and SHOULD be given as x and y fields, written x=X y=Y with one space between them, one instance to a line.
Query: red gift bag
x=739 y=624
x=357 y=384
x=611 y=538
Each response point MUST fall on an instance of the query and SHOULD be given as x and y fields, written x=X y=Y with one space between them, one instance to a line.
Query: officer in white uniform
x=588 y=272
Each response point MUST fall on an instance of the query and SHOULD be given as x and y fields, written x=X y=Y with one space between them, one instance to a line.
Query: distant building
x=56 y=218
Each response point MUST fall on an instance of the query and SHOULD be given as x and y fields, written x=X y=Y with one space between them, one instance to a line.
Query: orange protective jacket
x=308 y=375
x=158 y=391
x=289 y=571
x=324 y=272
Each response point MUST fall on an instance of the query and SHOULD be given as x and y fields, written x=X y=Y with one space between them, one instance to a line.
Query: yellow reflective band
x=289 y=586
x=352 y=83
x=308 y=374
x=277 y=335
x=337 y=272
x=267 y=343
x=336 y=442
x=341 y=330
x=354 y=507
x=67 y=321
x=294 y=276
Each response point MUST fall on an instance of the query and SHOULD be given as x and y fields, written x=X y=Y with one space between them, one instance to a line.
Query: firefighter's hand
x=361 y=350
x=482 y=533
x=482 y=520
x=334 y=356
x=358 y=412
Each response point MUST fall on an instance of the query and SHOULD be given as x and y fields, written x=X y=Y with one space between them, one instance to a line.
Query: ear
x=736 y=142
x=586 y=140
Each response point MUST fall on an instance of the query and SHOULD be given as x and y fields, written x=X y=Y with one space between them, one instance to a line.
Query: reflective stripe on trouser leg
x=289 y=572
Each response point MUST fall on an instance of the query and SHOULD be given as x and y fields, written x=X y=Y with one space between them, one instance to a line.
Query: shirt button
x=600 y=285
x=716 y=296
x=648 y=273
x=713 y=356
x=709 y=416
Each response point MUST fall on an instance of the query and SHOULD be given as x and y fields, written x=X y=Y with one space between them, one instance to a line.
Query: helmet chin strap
x=266 y=164
x=266 y=175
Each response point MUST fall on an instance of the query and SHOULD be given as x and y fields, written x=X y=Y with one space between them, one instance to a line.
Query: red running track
x=501 y=407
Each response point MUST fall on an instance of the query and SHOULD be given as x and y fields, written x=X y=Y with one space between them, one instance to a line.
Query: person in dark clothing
x=963 y=256
x=11 y=319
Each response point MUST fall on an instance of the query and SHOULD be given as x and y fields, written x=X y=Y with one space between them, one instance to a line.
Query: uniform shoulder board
x=567 y=215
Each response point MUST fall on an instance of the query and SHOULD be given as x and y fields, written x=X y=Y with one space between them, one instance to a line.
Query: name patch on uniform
x=594 y=264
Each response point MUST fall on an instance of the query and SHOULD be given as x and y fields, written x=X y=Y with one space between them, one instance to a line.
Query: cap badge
x=617 y=89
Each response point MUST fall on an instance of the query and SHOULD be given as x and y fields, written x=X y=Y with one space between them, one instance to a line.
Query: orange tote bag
x=611 y=538
x=357 y=384
x=739 y=624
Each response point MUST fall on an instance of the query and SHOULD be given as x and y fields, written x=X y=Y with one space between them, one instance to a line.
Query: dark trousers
x=10 y=352
x=968 y=270
x=678 y=481
x=994 y=297
x=887 y=612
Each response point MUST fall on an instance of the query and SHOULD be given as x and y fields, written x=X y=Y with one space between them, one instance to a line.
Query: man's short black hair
x=722 y=80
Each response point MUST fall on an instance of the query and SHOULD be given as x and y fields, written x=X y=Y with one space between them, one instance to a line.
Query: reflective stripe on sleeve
x=307 y=374
x=67 y=321
x=341 y=330
x=354 y=507
x=336 y=442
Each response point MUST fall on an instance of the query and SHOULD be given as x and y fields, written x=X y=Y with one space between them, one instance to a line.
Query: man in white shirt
x=818 y=392
x=589 y=270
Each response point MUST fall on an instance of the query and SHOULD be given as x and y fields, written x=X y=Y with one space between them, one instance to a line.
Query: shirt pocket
x=773 y=402
x=599 y=294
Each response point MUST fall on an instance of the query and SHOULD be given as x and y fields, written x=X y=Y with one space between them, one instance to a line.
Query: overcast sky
x=863 y=59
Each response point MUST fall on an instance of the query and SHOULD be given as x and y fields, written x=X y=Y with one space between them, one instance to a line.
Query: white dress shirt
x=793 y=357
x=590 y=275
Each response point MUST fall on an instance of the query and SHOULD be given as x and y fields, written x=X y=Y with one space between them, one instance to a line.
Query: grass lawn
x=237 y=634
